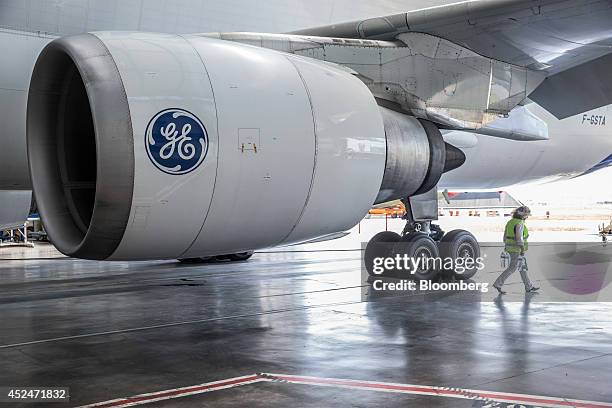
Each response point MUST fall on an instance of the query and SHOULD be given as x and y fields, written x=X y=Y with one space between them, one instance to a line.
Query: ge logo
x=176 y=141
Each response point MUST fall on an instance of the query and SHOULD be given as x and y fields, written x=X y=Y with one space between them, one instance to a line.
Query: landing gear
x=196 y=260
x=241 y=256
x=238 y=257
x=462 y=247
x=380 y=246
x=419 y=246
x=421 y=239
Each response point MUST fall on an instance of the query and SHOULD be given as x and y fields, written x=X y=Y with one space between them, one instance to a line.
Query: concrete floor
x=114 y=330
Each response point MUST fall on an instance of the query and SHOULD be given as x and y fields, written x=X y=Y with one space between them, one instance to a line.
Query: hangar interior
x=289 y=327
x=203 y=169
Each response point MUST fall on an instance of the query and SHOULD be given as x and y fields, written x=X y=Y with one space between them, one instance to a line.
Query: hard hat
x=522 y=212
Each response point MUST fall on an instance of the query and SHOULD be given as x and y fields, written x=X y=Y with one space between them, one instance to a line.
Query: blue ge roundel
x=176 y=141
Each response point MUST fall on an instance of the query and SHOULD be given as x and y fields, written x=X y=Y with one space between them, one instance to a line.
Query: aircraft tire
x=195 y=260
x=416 y=246
x=241 y=256
x=380 y=246
x=460 y=244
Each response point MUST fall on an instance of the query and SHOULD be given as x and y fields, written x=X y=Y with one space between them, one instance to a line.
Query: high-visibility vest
x=510 y=236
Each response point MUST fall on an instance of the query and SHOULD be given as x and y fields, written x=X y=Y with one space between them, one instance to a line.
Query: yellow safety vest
x=510 y=236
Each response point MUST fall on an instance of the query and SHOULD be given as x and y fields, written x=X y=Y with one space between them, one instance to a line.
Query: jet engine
x=154 y=146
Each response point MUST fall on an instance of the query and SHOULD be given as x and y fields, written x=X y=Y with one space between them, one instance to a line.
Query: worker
x=516 y=235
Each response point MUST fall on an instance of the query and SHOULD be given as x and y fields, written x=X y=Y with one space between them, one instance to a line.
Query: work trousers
x=514 y=263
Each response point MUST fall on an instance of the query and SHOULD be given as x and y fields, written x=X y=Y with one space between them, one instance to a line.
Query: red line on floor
x=440 y=391
x=352 y=384
x=177 y=392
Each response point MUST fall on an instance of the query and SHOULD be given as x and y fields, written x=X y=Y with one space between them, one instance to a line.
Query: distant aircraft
x=15 y=206
x=605 y=231
x=163 y=145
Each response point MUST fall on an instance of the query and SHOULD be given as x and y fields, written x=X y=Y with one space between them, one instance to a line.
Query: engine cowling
x=153 y=146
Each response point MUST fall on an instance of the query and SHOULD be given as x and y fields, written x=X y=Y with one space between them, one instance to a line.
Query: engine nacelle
x=152 y=146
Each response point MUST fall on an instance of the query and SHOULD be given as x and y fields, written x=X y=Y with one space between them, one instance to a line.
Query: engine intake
x=81 y=146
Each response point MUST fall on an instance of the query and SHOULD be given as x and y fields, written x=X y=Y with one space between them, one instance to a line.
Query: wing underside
x=568 y=40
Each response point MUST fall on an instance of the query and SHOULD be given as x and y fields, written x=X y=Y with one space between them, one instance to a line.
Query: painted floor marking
x=448 y=392
x=413 y=389
x=178 y=392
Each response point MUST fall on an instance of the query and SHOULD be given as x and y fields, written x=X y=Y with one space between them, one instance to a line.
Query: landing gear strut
x=455 y=253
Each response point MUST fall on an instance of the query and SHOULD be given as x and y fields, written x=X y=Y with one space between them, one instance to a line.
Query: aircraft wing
x=570 y=40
